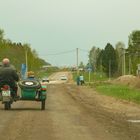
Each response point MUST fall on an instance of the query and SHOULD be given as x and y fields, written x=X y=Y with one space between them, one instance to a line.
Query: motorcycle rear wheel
x=7 y=105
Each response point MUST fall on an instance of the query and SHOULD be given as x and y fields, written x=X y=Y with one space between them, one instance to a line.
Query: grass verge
x=119 y=91
x=97 y=80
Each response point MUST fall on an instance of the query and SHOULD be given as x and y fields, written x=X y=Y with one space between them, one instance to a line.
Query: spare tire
x=29 y=84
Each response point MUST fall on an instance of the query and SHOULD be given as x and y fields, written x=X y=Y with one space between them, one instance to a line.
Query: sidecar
x=33 y=90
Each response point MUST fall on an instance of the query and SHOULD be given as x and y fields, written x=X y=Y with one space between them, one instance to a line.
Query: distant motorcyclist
x=8 y=75
x=81 y=79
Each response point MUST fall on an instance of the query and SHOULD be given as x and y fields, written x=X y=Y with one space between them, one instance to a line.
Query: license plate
x=6 y=93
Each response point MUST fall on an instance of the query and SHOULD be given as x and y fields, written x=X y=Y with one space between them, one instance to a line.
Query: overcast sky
x=55 y=26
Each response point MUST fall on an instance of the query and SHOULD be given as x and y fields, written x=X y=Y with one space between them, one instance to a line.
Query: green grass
x=44 y=74
x=106 y=88
x=119 y=91
x=91 y=77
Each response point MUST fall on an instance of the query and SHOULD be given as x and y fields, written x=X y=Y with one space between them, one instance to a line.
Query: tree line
x=18 y=52
x=117 y=60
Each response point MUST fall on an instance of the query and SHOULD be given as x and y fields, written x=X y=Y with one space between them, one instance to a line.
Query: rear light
x=43 y=88
x=5 y=87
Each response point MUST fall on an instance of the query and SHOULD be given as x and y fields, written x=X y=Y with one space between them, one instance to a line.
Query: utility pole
x=77 y=53
x=109 y=69
x=124 y=62
x=26 y=58
x=101 y=69
x=129 y=64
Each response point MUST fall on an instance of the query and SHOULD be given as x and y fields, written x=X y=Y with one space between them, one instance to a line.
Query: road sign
x=89 y=69
x=23 y=71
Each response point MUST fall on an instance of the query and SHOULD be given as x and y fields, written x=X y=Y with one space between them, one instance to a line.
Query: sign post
x=89 y=74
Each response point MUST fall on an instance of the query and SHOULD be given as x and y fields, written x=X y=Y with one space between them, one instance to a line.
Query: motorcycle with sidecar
x=30 y=90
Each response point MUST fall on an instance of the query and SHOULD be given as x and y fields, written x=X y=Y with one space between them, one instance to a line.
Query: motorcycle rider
x=8 y=75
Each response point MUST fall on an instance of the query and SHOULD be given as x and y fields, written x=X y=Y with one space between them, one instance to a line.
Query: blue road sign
x=89 y=69
x=23 y=71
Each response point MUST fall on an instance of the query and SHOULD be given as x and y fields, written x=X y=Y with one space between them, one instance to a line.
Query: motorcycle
x=6 y=93
x=30 y=90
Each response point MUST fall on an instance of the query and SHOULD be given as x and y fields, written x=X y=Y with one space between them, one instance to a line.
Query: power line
x=84 y=50
x=59 y=53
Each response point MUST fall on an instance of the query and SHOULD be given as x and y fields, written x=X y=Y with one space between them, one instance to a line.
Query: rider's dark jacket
x=8 y=72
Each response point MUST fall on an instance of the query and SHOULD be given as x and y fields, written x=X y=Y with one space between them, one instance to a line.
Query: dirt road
x=72 y=113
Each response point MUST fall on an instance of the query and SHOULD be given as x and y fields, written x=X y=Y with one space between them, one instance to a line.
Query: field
x=124 y=87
